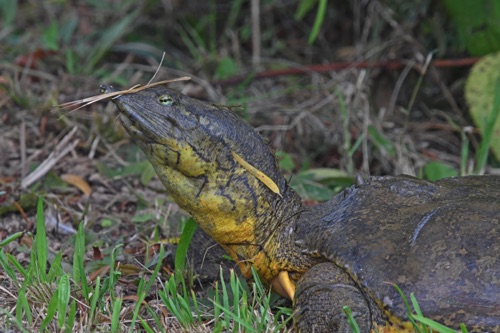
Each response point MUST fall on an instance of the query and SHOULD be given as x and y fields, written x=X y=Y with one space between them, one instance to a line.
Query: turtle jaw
x=283 y=285
x=134 y=131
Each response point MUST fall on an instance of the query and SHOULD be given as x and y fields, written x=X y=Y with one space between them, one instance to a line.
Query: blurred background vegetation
x=338 y=88
x=387 y=109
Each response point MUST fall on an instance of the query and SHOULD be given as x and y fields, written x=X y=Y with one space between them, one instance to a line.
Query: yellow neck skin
x=233 y=207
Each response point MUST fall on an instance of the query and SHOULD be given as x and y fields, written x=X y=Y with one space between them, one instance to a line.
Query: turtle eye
x=165 y=100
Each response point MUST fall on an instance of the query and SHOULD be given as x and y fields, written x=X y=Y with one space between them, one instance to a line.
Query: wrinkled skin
x=439 y=240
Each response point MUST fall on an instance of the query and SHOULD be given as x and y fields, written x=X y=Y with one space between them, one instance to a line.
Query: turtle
x=438 y=240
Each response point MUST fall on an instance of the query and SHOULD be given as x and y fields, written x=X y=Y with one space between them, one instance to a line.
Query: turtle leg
x=321 y=294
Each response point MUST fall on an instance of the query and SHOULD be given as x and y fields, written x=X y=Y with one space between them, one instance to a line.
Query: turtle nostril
x=104 y=88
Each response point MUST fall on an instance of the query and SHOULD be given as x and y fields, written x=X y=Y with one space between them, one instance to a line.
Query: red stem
x=343 y=65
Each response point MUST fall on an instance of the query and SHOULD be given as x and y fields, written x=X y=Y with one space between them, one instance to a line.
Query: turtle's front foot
x=322 y=293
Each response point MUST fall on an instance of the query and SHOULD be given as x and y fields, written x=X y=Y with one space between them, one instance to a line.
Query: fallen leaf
x=128 y=269
x=77 y=182
x=97 y=253
x=102 y=271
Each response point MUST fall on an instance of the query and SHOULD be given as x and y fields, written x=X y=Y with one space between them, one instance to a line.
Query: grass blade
x=436 y=327
x=18 y=265
x=78 y=257
x=109 y=37
x=22 y=305
x=157 y=269
x=95 y=298
x=145 y=325
x=184 y=242
x=63 y=291
x=318 y=22
x=51 y=311
x=141 y=294
x=55 y=269
x=11 y=238
x=71 y=317
x=115 y=316
x=350 y=319
x=4 y=263
x=464 y=151
x=40 y=244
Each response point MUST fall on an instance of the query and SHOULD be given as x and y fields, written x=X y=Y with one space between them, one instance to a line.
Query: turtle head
x=216 y=167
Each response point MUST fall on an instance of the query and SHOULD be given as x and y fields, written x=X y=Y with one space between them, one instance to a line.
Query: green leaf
x=381 y=141
x=482 y=153
x=320 y=184
x=285 y=161
x=437 y=170
x=50 y=37
x=147 y=174
x=107 y=222
x=321 y=174
x=141 y=217
x=226 y=68
x=134 y=169
x=478 y=24
x=482 y=95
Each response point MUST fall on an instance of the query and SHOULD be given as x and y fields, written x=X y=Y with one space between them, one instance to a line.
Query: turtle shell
x=439 y=240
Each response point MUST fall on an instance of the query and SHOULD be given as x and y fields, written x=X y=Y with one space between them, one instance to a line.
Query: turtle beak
x=126 y=116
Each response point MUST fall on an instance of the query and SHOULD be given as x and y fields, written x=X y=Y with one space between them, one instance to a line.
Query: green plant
x=477 y=24
x=482 y=92
x=416 y=316
x=48 y=298
x=420 y=323
x=307 y=5
x=40 y=290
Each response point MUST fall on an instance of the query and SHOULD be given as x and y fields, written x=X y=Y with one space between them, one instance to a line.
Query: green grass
x=50 y=300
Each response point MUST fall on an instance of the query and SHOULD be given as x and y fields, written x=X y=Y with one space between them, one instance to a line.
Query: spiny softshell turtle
x=439 y=239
